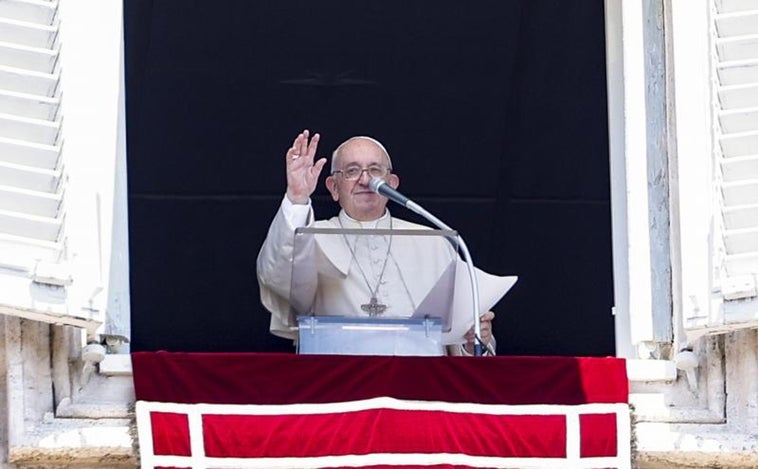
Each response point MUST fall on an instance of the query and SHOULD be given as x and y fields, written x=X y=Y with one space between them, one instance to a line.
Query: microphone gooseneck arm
x=379 y=186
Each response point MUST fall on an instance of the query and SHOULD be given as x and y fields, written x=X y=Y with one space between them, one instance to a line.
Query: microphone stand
x=414 y=207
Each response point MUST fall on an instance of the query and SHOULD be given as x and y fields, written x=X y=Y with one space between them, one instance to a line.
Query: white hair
x=376 y=142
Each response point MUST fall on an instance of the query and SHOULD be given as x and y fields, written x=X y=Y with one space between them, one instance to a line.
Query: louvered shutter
x=30 y=175
x=714 y=63
x=35 y=274
x=736 y=56
x=719 y=293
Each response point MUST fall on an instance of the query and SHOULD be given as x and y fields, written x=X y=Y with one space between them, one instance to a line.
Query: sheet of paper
x=491 y=289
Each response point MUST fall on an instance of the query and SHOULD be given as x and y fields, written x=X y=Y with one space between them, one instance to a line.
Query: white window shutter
x=736 y=100
x=721 y=296
x=30 y=177
x=715 y=64
x=36 y=275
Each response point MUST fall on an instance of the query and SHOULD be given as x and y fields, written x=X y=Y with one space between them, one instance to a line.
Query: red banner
x=288 y=411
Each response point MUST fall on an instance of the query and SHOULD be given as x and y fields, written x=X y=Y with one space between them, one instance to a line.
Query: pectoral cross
x=373 y=307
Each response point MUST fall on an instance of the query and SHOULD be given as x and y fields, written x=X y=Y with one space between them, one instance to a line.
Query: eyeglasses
x=353 y=173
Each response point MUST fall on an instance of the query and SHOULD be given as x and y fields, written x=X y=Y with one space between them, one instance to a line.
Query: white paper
x=491 y=289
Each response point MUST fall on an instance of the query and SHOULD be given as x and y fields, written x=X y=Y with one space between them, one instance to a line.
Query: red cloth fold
x=243 y=378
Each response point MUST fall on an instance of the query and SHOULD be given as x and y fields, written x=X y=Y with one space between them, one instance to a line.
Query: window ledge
x=650 y=370
x=119 y=364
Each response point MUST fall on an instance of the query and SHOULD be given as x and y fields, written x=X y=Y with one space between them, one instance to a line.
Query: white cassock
x=347 y=271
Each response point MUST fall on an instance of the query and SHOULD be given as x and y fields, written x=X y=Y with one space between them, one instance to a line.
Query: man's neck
x=373 y=223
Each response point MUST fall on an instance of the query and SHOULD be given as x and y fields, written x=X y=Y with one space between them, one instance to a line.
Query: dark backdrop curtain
x=494 y=113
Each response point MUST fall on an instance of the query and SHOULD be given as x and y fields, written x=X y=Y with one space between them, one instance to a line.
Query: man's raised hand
x=302 y=172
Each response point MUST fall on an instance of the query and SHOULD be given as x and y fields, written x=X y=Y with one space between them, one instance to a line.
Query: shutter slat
x=21 y=253
x=29 y=226
x=739 y=144
x=738 y=96
x=743 y=192
x=738 y=72
x=29 y=177
x=28 y=58
x=34 y=11
x=741 y=23
x=738 y=48
x=739 y=120
x=29 y=154
x=27 y=81
x=741 y=216
x=730 y=6
x=741 y=241
x=28 y=34
x=23 y=201
x=741 y=264
x=740 y=168
x=29 y=129
x=29 y=105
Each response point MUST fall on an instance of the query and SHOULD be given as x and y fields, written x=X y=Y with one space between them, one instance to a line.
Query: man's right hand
x=302 y=172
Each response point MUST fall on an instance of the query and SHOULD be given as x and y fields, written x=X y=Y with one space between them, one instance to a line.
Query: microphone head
x=375 y=183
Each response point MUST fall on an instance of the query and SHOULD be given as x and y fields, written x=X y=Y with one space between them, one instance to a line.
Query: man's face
x=355 y=197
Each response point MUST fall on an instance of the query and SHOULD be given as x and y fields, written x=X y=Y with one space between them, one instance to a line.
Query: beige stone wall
x=54 y=414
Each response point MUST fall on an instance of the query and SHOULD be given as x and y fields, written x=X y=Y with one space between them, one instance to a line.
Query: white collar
x=349 y=222
x=334 y=247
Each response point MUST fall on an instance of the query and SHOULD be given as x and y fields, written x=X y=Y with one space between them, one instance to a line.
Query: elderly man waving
x=378 y=279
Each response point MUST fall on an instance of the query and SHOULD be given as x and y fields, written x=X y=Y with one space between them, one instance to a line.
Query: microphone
x=381 y=187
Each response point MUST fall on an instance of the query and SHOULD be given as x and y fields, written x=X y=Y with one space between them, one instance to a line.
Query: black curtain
x=494 y=113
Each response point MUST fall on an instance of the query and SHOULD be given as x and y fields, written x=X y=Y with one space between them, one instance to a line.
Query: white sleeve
x=274 y=264
x=297 y=215
x=459 y=350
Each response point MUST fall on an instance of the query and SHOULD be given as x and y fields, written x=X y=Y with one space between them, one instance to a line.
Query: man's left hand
x=486 y=331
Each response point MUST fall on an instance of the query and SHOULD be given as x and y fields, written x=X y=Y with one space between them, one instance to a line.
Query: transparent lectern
x=372 y=291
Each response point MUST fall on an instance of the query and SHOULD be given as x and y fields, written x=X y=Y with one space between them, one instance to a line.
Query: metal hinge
x=739 y=287
x=52 y=274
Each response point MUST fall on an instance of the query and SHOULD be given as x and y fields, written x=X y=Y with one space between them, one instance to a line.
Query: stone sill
x=691 y=445
x=76 y=442
x=119 y=364
x=650 y=370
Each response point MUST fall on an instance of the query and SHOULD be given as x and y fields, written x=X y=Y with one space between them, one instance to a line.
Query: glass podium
x=332 y=292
